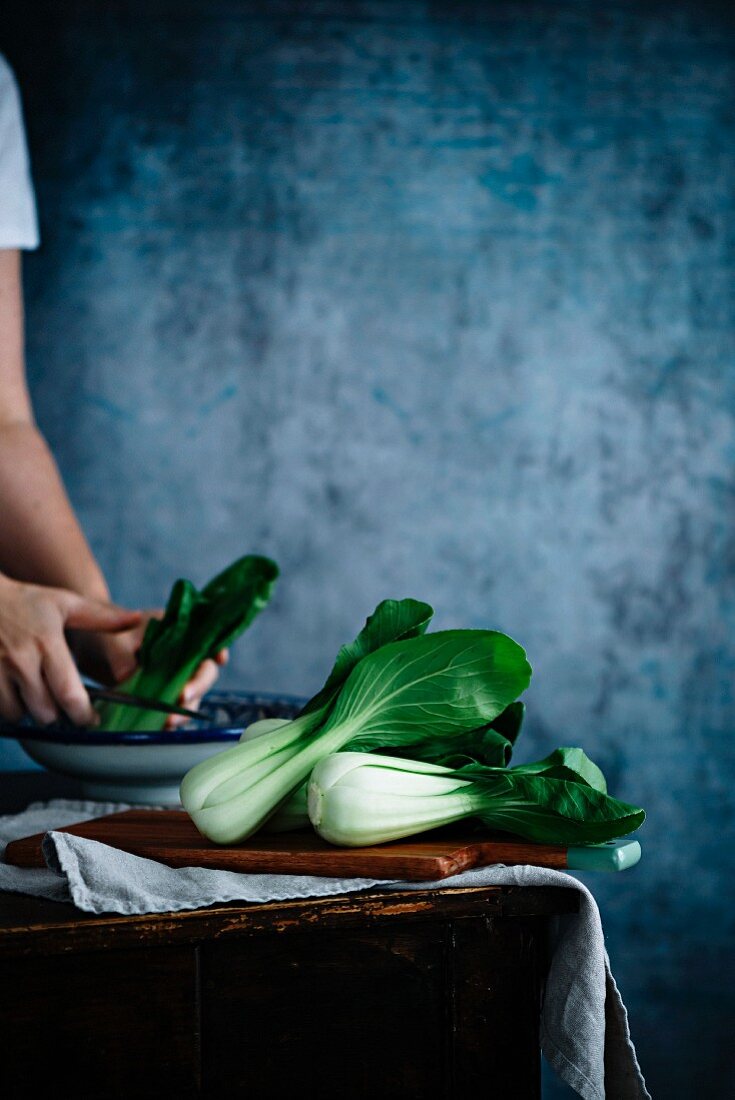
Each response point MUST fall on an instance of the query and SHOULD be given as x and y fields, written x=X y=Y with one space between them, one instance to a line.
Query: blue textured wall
x=427 y=299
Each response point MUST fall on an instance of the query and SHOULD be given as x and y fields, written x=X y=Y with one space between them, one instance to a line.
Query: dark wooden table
x=429 y=994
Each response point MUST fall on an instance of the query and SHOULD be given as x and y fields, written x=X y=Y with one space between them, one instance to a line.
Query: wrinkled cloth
x=584 y=1024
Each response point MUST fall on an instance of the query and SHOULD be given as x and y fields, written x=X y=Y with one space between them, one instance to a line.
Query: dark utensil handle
x=109 y=695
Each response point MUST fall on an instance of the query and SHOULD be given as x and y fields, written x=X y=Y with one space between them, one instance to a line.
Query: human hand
x=201 y=682
x=114 y=657
x=37 y=670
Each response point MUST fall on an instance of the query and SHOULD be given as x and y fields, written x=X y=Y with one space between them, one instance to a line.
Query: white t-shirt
x=18 y=223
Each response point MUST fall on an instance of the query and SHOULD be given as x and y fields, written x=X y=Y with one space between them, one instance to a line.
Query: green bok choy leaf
x=392 y=621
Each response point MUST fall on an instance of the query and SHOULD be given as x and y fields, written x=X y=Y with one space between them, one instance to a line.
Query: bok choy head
x=355 y=800
x=402 y=694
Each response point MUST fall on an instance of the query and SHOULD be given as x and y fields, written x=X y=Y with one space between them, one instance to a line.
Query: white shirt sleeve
x=18 y=223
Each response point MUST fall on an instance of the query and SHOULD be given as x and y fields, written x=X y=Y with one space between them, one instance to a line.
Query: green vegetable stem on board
x=355 y=800
x=195 y=625
x=400 y=694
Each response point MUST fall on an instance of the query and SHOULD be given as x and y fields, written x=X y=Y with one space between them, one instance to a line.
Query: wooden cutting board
x=170 y=837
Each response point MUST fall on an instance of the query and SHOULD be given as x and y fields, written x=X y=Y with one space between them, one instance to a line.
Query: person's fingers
x=121 y=658
x=11 y=708
x=195 y=690
x=140 y=630
x=66 y=687
x=26 y=674
x=122 y=668
x=222 y=657
x=83 y=614
x=202 y=680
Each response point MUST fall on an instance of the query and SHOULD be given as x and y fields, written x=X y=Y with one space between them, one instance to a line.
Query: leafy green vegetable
x=195 y=625
x=402 y=694
x=491 y=744
x=479 y=746
x=509 y=723
x=446 y=682
x=392 y=621
x=547 y=809
x=567 y=763
x=356 y=799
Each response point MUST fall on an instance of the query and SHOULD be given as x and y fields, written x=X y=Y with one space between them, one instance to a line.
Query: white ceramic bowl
x=146 y=767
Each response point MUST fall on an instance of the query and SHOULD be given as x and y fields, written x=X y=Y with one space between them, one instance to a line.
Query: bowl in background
x=146 y=767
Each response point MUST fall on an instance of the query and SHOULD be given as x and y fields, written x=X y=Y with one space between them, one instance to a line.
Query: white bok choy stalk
x=262 y=726
x=356 y=800
x=403 y=693
x=292 y=814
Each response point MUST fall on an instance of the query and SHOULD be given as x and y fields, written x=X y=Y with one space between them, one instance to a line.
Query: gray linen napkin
x=584 y=1025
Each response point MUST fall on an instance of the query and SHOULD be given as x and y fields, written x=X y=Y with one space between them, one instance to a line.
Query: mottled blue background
x=427 y=299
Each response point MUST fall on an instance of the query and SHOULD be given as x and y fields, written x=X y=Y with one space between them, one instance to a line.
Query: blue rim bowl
x=231 y=712
x=145 y=767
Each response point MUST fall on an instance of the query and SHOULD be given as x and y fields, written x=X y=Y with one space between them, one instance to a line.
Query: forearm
x=40 y=538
